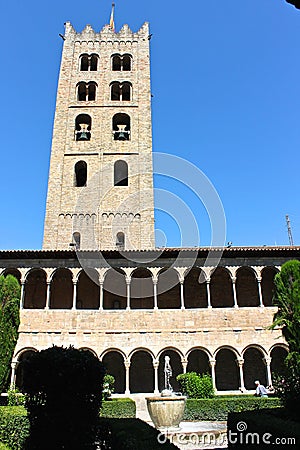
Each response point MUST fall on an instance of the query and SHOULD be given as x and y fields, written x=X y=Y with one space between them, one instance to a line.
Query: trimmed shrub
x=15 y=398
x=108 y=386
x=218 y=408
x=196 y=386
x=63 y=398
x=14 y=426
x=118 y=408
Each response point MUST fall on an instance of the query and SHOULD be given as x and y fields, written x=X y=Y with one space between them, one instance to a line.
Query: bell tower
x=100 y=188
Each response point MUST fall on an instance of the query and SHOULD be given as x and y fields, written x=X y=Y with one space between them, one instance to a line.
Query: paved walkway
x=192 y=435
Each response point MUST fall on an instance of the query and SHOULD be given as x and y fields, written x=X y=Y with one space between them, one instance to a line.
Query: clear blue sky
x=225 y=81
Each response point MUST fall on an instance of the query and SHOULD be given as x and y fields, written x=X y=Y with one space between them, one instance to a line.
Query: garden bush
x=14 y=426
x=196 y=386
x=108 y=386
x=63 y=398
x=218 y=408
x=118 y=408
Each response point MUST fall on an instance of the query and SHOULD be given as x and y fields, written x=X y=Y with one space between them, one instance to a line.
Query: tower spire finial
x=112 y=19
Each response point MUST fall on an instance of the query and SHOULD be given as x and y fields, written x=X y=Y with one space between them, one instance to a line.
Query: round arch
x=114 y=289
x=141 y=361
x=247 y=287
x=254 y=367
x=61 y=290
x=12 y=271
x=35 y=289
x=113 y=361
x=195 y=291
x=221 y=292
x=141 y=289
x=168 y=289
x=227 y=373
x=87 y=349
x=22 y=356
x=88 y=290
x=278 y=355
x=176 y=366
x=268 y=285
x=198 y=361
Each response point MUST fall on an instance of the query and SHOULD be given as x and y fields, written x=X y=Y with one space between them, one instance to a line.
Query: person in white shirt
x=260 y=391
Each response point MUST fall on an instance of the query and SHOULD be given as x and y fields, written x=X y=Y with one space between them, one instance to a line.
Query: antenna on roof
x=288 y=224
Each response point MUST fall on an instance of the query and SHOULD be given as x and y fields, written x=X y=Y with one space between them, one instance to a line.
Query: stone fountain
x=166 y=411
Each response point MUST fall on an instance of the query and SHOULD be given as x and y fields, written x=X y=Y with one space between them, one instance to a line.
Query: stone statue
x=168 y=374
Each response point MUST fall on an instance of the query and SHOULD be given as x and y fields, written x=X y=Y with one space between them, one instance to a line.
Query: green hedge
x=271 y=423
x=118 y=408
x=218 y=408
x=14 y=426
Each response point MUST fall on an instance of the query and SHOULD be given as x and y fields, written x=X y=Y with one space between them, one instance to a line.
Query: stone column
x=74 y=293
x=208 y=293
x=181 y=294
x=13 y=365
x=48 y=294
x=101 y=282
x=184 y=365
x=128 y=281
x=22 y=293
x=155 y=281
x=261 y=303
x=240 y=363
x=233 y=279
x=127 y=366
x=212 y=363
x=156 y=388
x=267 y=361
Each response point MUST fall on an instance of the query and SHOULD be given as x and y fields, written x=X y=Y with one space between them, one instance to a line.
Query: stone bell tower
x=100 y=189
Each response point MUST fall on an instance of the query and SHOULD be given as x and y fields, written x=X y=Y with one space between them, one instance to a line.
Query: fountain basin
x=166 y=412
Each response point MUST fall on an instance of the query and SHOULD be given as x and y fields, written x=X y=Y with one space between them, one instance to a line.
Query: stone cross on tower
x=100 y=189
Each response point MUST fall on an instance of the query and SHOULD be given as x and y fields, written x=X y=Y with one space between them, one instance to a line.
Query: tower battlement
x=106 y=33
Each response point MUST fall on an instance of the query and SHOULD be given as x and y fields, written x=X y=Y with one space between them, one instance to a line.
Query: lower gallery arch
x=88 y=291
x=168 y=290
x=114 y=365
x=195 y=291
x=278 y=355
x=61 y=290
x=221 y=291
x=254 y=368
x=35 y=292
x=114 y=290
x=141 y=372
x=246 y=287
x=19 y=369
x=267 y=285
x=141 y=290
x=176 y=366
x=227 y=374
x=198 y=362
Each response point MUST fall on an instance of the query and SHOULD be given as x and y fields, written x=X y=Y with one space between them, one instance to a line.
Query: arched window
x=83 y=124
x=80 y=173
x=121 y=127
x=121 y=62
x=88 y=62
x=120 y=173
x=76 y=240
x=121 y=91
x=120 y=241
x=86 y=91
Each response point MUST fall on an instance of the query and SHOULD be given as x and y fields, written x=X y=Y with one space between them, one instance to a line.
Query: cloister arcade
x=231 y=370
x=145 y=287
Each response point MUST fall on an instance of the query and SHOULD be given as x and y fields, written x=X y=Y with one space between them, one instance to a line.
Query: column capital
x=127 y=364
x=267 y=360
x=240 y=361
x=212 y=362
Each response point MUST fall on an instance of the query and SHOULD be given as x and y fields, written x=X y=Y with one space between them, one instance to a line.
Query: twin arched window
x=121 y=62
x=120 y=91
x=120 y=173
x=89 y=62
x=86 y=91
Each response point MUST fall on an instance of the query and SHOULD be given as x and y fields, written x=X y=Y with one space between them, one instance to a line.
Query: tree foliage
x=196 y=386
x=287 y=298
x=10 y=292
x=63 y=398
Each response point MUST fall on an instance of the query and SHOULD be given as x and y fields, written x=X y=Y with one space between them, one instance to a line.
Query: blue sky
x=226 y=97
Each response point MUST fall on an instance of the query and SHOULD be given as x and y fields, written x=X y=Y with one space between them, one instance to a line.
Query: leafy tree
x=287 y=298
x=10 y=292
x=196 y=386
x=63 y=398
